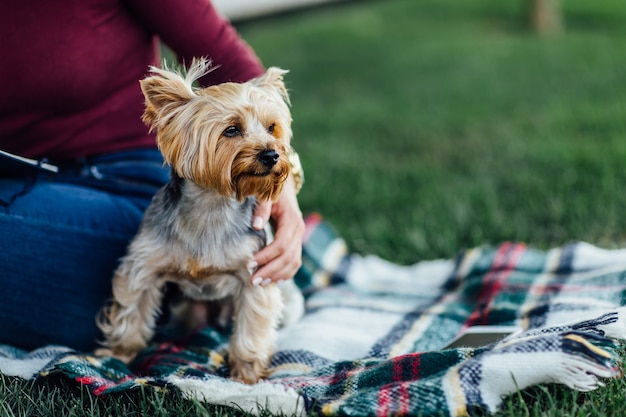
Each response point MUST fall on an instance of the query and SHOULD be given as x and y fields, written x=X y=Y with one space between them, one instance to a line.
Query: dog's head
x=231 y=137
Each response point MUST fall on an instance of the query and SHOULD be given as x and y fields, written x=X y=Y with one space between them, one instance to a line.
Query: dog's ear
x=273 y=79
x=163 y=92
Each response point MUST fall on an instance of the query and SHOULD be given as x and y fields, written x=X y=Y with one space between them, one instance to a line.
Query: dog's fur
x=227 y=146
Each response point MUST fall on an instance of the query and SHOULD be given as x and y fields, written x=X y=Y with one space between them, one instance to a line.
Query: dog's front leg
x=128 y=323
x=257 y=313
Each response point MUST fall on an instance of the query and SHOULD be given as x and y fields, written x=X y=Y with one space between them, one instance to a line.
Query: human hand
x=282 y=258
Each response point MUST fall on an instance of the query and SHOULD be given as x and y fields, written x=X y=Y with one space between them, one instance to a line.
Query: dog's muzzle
x=268 y=157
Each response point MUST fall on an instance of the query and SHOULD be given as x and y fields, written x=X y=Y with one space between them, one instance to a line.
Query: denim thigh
x=62 y=237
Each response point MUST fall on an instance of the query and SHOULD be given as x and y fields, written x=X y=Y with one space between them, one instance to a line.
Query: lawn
x=426 y=127
x=429 y=126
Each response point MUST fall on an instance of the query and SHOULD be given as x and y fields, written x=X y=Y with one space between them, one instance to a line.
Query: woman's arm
x=193 y=28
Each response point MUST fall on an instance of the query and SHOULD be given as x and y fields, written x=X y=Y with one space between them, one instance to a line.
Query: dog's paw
x=103 y=352
x=248 y=372
x=106 y=352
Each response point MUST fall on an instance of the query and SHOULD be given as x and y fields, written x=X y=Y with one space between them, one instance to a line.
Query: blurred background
x=426 y=127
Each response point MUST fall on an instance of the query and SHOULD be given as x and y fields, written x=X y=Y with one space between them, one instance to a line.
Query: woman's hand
x=282 y=258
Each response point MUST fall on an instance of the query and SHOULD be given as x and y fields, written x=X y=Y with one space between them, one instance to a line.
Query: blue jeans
x=61 y=236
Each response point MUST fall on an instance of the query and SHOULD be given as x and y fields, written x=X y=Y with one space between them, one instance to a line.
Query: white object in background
x=244 y=9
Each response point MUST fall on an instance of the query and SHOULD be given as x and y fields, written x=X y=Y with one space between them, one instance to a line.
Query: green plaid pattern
x=372 y=340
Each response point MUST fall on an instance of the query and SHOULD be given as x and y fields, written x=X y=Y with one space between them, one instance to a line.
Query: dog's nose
x=268 y=157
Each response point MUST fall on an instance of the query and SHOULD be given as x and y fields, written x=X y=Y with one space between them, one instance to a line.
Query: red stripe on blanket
x=99 y=385
x=310 y=223
x=394 y=398
x=505 y=260
x=164 y=352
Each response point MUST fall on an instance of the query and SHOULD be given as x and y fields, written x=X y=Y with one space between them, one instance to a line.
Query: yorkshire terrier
x=228 y=147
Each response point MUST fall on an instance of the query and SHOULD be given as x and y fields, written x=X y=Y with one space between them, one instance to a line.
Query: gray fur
x=183 y=214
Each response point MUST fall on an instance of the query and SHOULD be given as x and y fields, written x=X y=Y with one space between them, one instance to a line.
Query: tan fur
x=199 y=153
x=177 y=245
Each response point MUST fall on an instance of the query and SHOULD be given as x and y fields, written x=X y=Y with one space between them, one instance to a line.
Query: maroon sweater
x=70 y=69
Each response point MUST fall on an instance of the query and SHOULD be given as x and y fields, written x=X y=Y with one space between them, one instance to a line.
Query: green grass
x=429 y=126
x=57 y=398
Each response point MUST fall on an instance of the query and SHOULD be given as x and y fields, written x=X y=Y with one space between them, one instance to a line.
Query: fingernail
x=252 y=266
x=257 y=281
x=257 y=223
x=266 y=282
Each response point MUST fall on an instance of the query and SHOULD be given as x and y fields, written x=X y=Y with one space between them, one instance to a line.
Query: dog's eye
x=270 y=128
x=232 y=131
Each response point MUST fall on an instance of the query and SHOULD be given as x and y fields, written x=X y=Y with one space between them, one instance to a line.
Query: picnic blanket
x=372 y=340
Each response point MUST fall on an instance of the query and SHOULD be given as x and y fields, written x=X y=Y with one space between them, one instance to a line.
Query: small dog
x=227 y=146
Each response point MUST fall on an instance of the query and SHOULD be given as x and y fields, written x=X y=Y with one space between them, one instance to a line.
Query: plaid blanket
x=373 y=337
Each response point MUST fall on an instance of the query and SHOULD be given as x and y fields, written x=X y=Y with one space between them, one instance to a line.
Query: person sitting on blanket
x=70 y=80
